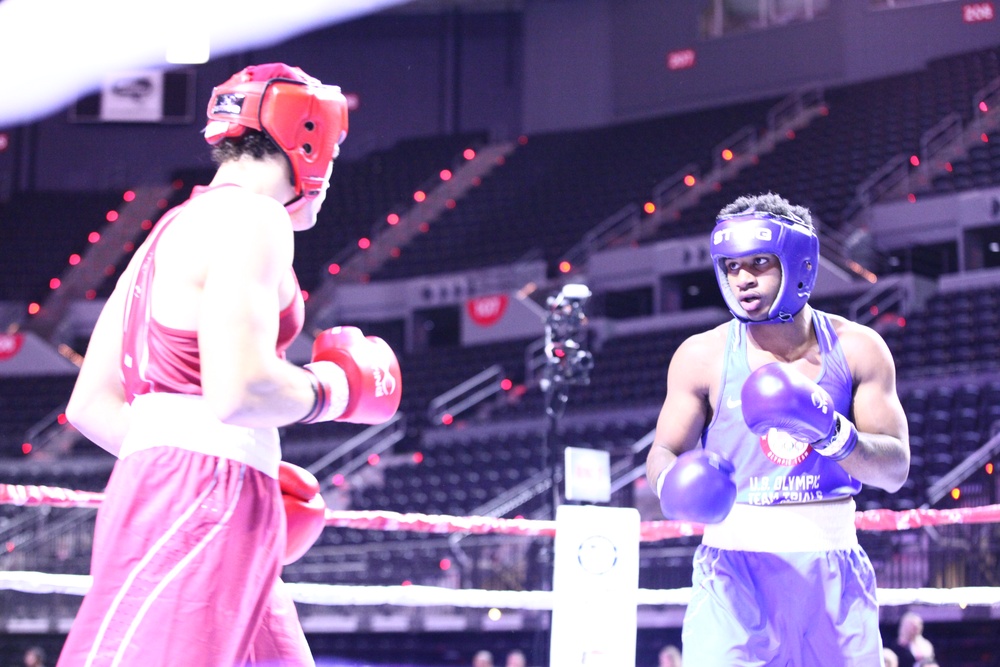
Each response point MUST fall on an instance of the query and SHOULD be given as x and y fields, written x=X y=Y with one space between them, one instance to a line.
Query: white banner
x=588 y=475
x=503 y=316
x=596 y=586
x=133 y=96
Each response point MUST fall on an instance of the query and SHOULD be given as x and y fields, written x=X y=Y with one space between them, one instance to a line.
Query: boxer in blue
x=771 y=424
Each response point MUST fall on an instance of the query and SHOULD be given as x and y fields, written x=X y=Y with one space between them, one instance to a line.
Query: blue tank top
x=775 y=469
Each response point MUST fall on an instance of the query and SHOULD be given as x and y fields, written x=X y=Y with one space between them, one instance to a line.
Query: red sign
x=682 y=59
x=977 y=12
x=487 y=310
x=10 y=345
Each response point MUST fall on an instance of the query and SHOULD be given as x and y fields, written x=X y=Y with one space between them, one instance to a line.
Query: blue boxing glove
x=699 y=487
x=778 y=396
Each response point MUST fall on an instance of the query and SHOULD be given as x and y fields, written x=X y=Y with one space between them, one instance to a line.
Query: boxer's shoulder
x=232 y=216
x=234 y=206
x=706 y=345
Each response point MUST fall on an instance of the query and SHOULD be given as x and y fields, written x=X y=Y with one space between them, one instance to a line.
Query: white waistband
x=786 y=528
x=185 y=422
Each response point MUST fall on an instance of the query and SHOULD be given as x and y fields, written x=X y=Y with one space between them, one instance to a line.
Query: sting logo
x=740 y=234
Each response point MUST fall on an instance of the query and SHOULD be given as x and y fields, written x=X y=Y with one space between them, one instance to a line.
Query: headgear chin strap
x=790 y=239
x=306 y=119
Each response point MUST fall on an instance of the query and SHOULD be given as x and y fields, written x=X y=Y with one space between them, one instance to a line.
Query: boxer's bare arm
x=97 y=406
x=686 y=408
x=243 y=380
x=882 y=456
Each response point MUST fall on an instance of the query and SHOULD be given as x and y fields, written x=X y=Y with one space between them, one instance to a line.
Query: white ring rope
x=433 y=596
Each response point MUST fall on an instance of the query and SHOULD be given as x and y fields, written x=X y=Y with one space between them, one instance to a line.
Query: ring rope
x=435 y=596
x=650 y=531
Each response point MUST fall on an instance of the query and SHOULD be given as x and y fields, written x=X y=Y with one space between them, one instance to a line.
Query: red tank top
x=156 y=358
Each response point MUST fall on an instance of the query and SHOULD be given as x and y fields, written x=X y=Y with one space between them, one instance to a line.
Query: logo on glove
x=782 y=449
x=820 y=402
x=385 y=383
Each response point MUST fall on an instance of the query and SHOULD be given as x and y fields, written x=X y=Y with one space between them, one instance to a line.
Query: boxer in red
x=185 y=380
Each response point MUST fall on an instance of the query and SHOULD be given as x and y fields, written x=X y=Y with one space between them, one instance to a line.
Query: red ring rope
x=651 y=531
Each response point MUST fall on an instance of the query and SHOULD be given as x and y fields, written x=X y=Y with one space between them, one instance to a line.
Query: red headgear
x=306 y=119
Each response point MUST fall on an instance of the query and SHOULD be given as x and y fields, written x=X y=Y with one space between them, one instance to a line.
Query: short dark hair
x=768 y=203
x=252 y=143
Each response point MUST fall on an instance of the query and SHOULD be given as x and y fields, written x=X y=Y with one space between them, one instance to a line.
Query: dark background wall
x=632 y=38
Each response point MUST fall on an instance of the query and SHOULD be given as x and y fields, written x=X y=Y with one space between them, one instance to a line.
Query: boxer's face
x=304 y=212
x=755 y=281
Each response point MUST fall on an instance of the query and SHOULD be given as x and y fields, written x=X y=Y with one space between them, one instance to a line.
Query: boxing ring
x=880 y=520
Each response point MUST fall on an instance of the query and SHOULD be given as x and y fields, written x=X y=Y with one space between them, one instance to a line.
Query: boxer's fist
x=370 y=369
x=699 y=487
x=778 y=396
x=305 y=510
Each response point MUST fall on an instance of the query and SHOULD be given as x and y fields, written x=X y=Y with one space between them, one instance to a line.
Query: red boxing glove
x=371 y=370
x=305 y=510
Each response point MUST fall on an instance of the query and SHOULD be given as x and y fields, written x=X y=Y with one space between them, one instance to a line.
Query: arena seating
x=40 y=231
x=363 y=192
x=981 y=169
x=25 y=401
x=558 y=186
x=868 y=124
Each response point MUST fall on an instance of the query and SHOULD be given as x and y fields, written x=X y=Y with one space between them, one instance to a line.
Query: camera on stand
x=568 y=362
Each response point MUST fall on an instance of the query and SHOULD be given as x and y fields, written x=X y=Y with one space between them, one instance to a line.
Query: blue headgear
x=788 y=237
